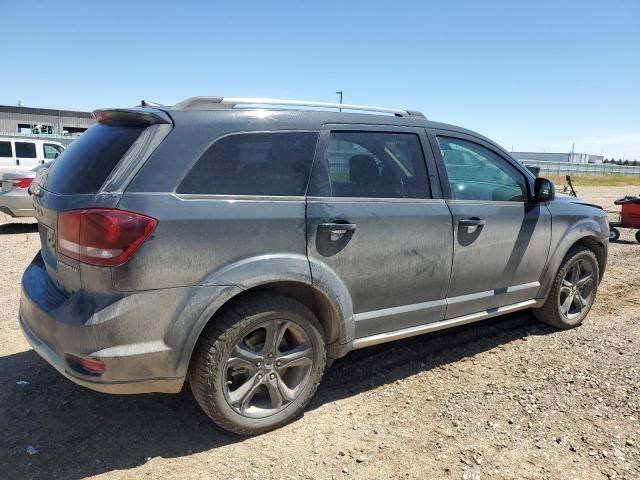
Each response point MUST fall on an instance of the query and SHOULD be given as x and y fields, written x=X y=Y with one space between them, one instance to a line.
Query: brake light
x=21 y=182
x=101 y=236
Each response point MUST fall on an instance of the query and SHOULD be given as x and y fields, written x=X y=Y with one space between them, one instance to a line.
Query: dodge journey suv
x=241 y=245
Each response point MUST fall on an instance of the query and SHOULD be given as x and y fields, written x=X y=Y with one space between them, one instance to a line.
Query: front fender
x=569 y=233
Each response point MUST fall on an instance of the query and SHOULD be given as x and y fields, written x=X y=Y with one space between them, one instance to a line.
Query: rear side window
x=25 y=150
x=5 y=149
x=274 y=163
x=372 y=164
x=86 y=164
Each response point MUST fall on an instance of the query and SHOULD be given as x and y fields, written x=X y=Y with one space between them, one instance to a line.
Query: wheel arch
x=289 y=275
x=590 y=241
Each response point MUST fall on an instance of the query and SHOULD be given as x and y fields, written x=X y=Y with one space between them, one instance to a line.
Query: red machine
x=629 y=217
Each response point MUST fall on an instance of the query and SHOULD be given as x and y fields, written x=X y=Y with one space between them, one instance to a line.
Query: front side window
x=374 y=164
x=25 y=150
x=270 y=163
x=477 y=173
x=5 y=149
x=51 y=151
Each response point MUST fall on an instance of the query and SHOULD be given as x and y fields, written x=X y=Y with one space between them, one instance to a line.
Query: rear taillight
x=102 y=236
x=21 y=182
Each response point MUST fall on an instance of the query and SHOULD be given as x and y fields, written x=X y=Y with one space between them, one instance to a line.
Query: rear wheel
x=573 y=292
x=638 y=235
x=258 y=364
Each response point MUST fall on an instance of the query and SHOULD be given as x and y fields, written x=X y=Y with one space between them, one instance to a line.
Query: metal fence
x=582 y=168
x=63 y=139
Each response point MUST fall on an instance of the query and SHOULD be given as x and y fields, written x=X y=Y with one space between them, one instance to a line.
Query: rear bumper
x=165 y=385
x=140 y=337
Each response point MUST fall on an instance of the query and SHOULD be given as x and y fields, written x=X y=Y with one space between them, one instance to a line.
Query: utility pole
x=340 y=93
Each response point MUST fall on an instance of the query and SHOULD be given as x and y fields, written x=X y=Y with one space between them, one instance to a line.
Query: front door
x=501 y=238
x=376 y=218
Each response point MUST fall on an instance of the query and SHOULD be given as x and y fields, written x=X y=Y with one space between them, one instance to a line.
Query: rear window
x=5 y=149
x=275 y=163
x=87 y=162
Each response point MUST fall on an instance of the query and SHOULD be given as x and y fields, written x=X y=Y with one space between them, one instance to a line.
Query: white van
x=26 y=153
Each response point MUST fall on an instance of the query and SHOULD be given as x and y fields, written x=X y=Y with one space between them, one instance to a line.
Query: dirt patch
x=508 y=398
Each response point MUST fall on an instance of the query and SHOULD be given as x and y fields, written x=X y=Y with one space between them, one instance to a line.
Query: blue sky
x=531 y=75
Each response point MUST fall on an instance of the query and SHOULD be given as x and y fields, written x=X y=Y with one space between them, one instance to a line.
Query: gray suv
x=241 y=249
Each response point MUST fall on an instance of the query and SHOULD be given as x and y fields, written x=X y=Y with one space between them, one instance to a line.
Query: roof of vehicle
x=27 y=139
x=282 y=114
x=299 y=119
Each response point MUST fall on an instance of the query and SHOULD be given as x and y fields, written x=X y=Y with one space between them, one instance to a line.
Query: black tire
x=638 y=236
x=614 y=234
x=210 y=372
x=551 y=312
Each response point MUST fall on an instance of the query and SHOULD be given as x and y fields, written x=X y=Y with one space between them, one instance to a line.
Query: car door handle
x=471 y=222
x=336 y=227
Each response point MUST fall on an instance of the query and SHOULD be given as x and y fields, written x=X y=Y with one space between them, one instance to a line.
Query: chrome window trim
x=323 y=199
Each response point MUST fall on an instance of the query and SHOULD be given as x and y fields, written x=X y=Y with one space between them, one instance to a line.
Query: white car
x=15 y=199
x=18 y=154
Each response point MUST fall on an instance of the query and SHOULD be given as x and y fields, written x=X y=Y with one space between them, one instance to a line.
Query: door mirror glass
x=544 y=190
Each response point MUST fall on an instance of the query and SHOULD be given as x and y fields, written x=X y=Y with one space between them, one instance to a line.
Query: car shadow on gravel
x=376 y=366
x=78 y=433
x=13 y=228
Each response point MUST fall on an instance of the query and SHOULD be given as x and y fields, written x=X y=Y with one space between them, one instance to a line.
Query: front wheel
x=638 y=236
x=258 y=364
x=573 y=292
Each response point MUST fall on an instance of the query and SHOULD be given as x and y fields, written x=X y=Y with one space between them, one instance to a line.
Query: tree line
x=630 y=163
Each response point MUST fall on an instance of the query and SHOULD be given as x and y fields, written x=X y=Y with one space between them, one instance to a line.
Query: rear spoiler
x=131 y=116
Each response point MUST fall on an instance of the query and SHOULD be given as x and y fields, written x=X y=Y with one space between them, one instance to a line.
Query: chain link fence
x=582 y=168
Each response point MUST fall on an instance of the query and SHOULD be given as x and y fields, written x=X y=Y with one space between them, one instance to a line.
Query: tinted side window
x=274 y=163
x=25 y=150
x=5 y=149
x=375 y=164
x=477 y=173
x=86 y=164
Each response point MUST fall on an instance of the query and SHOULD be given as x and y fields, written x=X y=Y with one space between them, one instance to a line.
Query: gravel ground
x=507 y=398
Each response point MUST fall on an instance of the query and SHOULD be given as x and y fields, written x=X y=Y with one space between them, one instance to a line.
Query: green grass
x=595 y=180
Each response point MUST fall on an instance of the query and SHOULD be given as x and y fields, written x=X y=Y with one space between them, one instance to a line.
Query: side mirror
x=545 y=190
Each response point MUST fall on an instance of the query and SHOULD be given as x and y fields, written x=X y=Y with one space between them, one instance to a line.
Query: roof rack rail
x=214 y=103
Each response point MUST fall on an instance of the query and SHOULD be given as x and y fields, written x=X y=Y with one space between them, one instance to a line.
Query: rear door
x=26 y=154
x=376 y=218
x=501 y=238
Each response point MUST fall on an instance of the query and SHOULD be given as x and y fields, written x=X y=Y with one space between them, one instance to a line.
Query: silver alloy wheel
x=268 y=368
x=576 y=293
